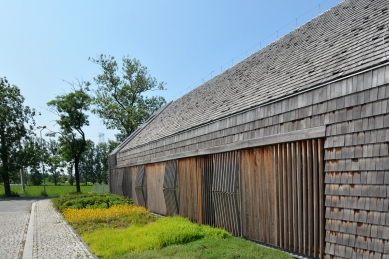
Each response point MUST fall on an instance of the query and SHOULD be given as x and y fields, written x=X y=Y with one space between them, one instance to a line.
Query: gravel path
x=13 y=228
x=53 y=237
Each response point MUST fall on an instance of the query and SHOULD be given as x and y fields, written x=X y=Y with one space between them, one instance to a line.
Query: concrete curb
x=29 y=244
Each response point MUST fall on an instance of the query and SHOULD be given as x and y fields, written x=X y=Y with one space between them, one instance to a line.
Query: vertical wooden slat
x=285 y=201
x=266 y=190
x=214 y=195
x=305 y=196
x=253 y=218
x=310 y=193
x=315 y=197
x=272 y=197
x=276 y=195
x=299 y=196
x=235 y=197
x=199 y=184
x=243 y=191
x=240 y=193
x=280 y=196
x=247 y=189
x=261 y=195
x=290 y=196
x=294 y=200
x=320 y=145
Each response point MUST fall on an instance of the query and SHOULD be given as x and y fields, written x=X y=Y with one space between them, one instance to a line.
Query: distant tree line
x=119 y=96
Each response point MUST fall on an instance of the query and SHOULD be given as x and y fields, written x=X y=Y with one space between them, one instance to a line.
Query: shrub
x=80 y=201
x=13 y=194
x=97 y=215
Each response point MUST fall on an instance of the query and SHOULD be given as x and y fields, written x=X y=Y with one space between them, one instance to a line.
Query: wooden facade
x=307 y=171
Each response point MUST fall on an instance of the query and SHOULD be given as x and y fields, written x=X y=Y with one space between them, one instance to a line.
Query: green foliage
x=88 y=163
x=102 y=152
x=153 y=236
x=33 y=150
x=35 y=177
x=94 y=163
x=120 y=100
x=16 y=123
x=207 y=248
x=71 y=108
x=54 y=160
x=92 y=200
x=13 y=194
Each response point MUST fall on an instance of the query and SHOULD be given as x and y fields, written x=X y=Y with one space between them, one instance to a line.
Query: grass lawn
x=51 y=190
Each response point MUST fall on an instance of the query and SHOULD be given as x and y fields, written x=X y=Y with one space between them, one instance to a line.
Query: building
x=289 y=147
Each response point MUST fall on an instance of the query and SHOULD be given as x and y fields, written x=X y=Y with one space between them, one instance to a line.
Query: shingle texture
x=349 y=37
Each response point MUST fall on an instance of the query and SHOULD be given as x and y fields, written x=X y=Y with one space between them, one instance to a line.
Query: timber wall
x=351 y=115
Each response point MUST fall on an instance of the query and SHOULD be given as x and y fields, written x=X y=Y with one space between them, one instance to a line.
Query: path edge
x=29 y=244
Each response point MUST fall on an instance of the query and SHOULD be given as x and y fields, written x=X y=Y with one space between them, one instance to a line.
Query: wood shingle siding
x=343 y=212
x=290 y=147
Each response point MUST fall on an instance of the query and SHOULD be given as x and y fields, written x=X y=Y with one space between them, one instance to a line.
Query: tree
x=16 y=123
x=70 y=173
x=54 y=160
x=88 y=164
x=102 y=153
x=71 y=109
x=31 y=157
x=120 y=100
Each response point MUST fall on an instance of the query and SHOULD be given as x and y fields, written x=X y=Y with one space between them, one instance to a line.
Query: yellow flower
x=102 y=215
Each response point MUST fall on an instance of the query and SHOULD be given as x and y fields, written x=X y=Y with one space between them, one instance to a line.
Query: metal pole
x=43 y=164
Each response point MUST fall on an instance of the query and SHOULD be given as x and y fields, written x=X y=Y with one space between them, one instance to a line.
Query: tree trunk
x=77 y=173
x=5 y=173
x=7 y=187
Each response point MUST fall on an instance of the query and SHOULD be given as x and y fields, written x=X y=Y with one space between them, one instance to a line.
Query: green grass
x=153 y=236
x=51 y=190
x=207 y=248
x=173 y=237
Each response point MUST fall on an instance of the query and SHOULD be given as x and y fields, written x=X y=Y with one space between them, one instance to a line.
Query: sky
x=45 y=43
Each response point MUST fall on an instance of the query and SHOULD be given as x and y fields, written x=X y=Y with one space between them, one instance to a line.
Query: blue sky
x=182 y=43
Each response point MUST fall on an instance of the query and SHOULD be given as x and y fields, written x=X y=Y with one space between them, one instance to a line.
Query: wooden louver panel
x=224 y=191
x=259 y=195
x=127 y=184
x=119 y=181
x=208 y=209
x=170 y=188
x=283 y=197
x=140 y=186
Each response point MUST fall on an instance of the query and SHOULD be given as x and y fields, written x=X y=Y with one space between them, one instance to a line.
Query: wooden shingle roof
x=349 y=37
